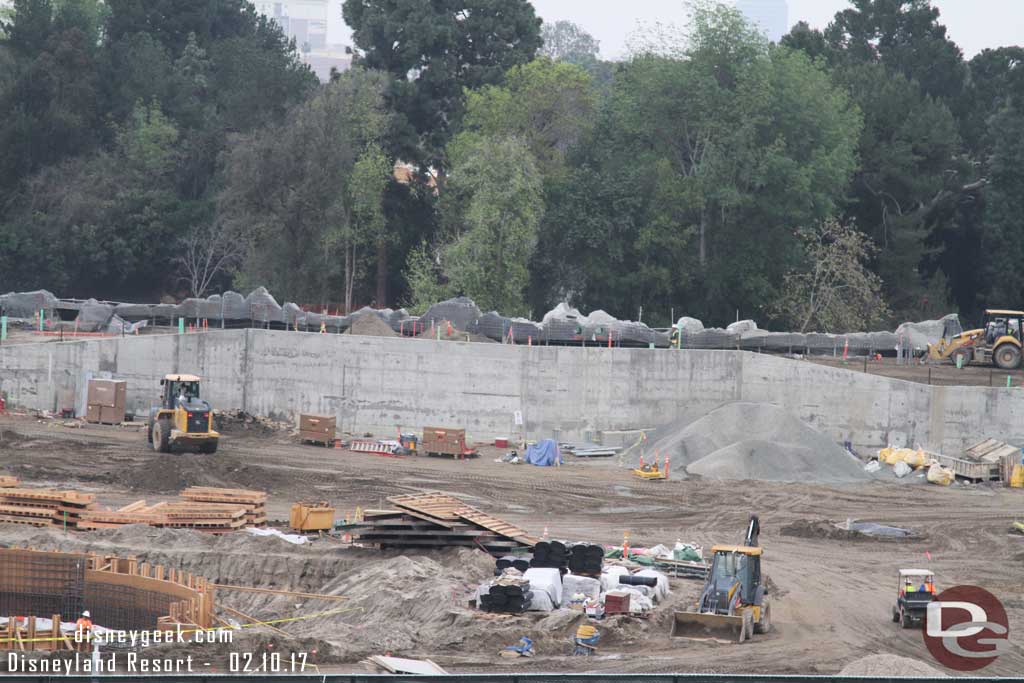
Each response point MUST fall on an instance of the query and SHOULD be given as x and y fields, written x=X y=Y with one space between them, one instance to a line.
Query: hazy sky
x=973 y=24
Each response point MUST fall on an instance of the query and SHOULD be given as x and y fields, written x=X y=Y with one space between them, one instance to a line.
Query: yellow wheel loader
x=997 y=343
x=734 y=604
x=182 y=420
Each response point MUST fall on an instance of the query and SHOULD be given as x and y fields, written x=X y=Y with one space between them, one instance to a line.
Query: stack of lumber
x=8 y=482
x=254 y=502
x=44 y=507
x=434 y=520
x=213 y=510
x=215 y=518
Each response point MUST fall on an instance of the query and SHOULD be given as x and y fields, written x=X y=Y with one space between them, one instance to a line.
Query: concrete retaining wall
x=378 y=384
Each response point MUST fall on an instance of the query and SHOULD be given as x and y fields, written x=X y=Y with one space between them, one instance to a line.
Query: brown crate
x=92 y=414
x=444 y=441
x=112 y=416
x=320 y=424
x=109 y=393
x=616 y=602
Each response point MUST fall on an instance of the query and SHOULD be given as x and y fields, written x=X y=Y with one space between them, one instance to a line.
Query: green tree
x=495 y=234
x=728 y=143
x=103 y=222
x=358 y=215
x=905 y=36
x=548 y=104
x=307 y=189
x=1003 y=241
x=434 y=51
x=51 y=110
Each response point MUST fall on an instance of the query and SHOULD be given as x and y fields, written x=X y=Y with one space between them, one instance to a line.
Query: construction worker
x=83 y=630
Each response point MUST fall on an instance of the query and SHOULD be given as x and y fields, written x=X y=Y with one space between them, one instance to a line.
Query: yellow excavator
x=182 y=420
x=734 y=604
x=997 y=343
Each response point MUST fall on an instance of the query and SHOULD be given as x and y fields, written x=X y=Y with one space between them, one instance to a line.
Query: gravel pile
x=757 y=441
x=890 y=666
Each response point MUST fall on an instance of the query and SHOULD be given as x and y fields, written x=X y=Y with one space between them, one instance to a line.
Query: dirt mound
x=862 y=531
x=758 y=441
x=9 y=438
x=888 y=666
x=369 y=324
x=170 y=473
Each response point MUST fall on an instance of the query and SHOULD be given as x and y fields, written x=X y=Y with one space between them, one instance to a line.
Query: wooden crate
x=318 y=428
x=616 y=602
x=445 y=441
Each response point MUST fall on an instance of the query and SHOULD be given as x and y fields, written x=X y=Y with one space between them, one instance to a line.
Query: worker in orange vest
x=83 y=629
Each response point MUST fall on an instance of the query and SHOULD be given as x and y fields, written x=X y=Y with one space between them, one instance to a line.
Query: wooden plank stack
x=44 y=507
x=254 y=502
x=211 y=510
x=8 y=482
x=434 y=520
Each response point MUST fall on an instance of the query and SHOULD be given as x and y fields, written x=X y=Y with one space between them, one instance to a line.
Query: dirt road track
x=832 y=597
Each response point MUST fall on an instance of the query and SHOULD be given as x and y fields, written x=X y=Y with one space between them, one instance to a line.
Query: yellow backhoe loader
x=734 y=604
x=997 y=343
x=182 y=420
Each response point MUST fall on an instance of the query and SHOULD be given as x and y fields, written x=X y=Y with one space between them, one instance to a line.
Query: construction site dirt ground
x=832 y=596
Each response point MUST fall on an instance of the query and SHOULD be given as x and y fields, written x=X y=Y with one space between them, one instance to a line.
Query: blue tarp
x=544 y=454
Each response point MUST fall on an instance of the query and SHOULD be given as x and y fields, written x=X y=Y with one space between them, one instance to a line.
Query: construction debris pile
x=620 y=588
x=436 y=520
x=987 y=461
x=459 y=319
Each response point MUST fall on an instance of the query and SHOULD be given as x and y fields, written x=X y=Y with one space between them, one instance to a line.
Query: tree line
x=842 y=179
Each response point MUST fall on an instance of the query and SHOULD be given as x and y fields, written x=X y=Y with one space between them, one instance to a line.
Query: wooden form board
x=438 y=520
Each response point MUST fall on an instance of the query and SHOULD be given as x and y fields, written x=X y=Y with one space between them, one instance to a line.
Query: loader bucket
x=699 y=626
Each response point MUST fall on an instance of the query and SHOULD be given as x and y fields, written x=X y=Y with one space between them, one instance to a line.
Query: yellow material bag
x=937 y=474
x=891 y=456
x=1017 y=477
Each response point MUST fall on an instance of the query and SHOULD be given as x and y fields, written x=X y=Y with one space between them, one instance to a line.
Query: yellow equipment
x=182 y=419
x=998 y=342
x=651 y=471
x=734 y=604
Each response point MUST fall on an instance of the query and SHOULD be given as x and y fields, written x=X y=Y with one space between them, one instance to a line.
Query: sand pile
x=369 y=324
x=757 y=441
x=889 y=666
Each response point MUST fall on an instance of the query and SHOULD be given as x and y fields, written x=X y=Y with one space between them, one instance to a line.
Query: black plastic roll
x=633 y=580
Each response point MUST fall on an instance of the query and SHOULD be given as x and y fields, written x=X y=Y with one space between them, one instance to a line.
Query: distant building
x=318 y=29
x=771 y=16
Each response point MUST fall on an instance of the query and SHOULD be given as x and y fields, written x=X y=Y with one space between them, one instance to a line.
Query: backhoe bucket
x=699 y=626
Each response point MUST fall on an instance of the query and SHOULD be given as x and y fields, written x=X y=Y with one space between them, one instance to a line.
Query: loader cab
x=735 y=577
x=175 y=386
x=999 y=324
x=1002 y=340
